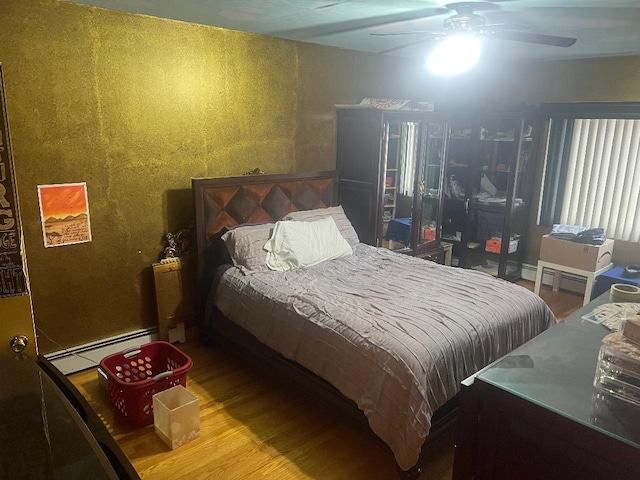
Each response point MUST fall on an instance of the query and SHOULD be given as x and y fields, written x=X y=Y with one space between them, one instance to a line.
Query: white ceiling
x=601 y=27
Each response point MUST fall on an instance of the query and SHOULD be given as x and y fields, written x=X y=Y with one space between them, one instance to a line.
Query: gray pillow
x=246 y=247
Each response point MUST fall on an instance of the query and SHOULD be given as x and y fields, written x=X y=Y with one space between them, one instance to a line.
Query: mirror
x=430 y=182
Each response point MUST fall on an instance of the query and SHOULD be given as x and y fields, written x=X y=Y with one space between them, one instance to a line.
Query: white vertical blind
x=408 y=154
x=602 y=188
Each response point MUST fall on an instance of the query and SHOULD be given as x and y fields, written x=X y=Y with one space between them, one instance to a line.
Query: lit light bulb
x=455 y=55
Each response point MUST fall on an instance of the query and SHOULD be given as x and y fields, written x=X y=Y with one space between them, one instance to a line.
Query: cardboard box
x=175 y=287
x=577 y=255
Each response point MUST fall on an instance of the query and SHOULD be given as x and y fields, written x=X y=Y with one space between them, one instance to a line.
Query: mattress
x=393 y=333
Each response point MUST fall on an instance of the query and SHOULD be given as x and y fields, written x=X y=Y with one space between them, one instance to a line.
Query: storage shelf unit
x=488 y=190
x=410 y=179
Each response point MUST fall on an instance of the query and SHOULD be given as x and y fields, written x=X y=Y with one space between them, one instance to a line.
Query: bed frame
x=227 y=201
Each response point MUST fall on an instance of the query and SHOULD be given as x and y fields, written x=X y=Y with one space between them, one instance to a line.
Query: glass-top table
x=41 y=435
x=556 y=371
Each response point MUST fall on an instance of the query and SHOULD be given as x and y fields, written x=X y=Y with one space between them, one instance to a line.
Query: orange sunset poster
x=64 y=212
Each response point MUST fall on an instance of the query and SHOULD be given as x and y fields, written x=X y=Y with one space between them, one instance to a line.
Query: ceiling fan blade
x=305 y=33
x=329 y=5
x=539 y=38
x=409 y=44
x=493 y=27
x=471 y=7
x=391 y=34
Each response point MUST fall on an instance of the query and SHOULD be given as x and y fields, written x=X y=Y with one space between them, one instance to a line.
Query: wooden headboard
x=223 y=202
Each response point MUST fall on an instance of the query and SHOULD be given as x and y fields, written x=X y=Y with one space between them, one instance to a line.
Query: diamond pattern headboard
x=226 y=201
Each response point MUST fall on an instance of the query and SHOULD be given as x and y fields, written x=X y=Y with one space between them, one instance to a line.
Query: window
x=592 y=168
x=408 y=154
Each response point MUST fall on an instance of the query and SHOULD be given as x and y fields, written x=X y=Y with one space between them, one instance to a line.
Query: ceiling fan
x=466 y=21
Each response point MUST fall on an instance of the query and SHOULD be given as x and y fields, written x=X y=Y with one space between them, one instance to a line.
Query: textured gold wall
x=135 y=106
x=613 y=79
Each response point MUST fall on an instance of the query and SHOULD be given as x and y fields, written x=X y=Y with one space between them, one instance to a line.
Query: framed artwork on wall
x=64 y=213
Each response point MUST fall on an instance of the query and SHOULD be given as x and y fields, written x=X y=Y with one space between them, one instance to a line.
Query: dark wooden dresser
x=535 y=414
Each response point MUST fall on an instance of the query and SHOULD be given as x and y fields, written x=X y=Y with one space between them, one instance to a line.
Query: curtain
x=602 y=185
x=408 y=154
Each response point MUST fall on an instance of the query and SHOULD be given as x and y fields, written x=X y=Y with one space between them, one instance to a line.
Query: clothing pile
x=578 y=234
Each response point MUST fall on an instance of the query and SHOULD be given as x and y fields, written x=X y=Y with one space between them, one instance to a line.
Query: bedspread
x=393 y=333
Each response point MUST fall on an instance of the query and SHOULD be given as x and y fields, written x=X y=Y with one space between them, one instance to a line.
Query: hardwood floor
x=254 y=427
x=562 y=303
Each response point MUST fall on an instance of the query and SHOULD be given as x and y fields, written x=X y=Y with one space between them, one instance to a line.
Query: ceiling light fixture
x=455 y=55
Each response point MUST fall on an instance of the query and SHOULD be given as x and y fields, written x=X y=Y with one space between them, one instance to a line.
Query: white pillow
x=302 y=244
x=338 y=215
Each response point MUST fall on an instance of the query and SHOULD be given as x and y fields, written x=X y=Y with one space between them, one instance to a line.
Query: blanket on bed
x=394 y=333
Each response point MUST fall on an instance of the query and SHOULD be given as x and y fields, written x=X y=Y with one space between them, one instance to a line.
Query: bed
x=383 y=336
